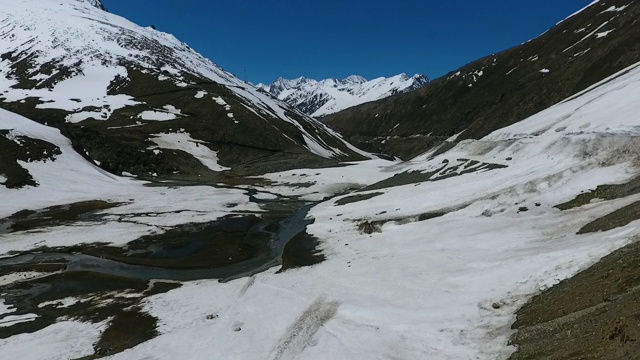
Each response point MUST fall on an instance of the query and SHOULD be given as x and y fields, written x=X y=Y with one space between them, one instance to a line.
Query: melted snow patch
x=580 y=53
x=16 y=319
x=170 y=70
x=80 y=91
x=603 y=34
x=183 y=141
x=220 y=101
x=172 y=109
x=3 y=178
x=61 y=303
x=153 y=115
x=200 y=94
x=16 y=277
x=587 y=36
x=545 y=71
x=6 y=309
x=613 y=8
x=84 y=115
x=63 y=340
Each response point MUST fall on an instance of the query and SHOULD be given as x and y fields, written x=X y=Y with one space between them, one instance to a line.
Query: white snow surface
x=91 y=45
x=5 y=309
x=425 y=289
x=333 y=95
x=183 y=141
x=155 y=115
x=11 y=320
x=63 y=340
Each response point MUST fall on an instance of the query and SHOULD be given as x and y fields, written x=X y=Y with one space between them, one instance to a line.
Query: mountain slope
x=503 y=88
x=321 y=98
x=112 y=87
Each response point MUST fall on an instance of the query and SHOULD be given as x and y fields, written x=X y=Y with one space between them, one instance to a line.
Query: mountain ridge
x=320 y=98
x=502 y=88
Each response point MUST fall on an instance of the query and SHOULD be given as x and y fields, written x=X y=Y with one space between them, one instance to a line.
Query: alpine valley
x=155 y=206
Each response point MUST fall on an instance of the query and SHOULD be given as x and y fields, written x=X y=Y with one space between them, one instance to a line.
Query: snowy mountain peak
x=356 y=79
x=68 y=62
x=94 y=3
x=320 y=98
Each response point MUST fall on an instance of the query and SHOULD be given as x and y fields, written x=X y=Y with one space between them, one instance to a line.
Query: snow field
x=442 y=288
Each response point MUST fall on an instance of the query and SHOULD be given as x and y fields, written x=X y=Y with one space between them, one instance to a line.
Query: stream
x=269 y=256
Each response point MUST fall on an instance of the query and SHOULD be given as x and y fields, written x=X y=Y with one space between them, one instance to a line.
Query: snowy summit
x=95 y=3
x=320 y=98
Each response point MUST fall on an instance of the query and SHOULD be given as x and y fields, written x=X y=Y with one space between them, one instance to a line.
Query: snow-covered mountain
x=320 y=98
x=115 y=86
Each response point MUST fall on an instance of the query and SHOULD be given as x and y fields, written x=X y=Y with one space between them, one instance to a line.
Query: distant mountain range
x=328 y=96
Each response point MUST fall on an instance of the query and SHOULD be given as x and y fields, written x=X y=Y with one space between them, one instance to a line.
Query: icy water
x=264 y=241
x=90 y=276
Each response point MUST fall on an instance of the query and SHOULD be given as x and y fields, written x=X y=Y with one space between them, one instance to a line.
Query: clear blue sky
x=338 y=38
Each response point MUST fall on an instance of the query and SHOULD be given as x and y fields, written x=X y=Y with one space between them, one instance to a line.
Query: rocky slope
x=138 y=101
x=502 y=88
x=321 y=98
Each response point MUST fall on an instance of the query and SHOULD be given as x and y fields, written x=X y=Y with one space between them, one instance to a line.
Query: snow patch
x=17 y=277
x=580 y=53
x=11 y=320
x=6 y=309
x=603 y=34
x=62 y=340
x=183 y=141
x=61 y=303
x=613 y=8
x=172 y=109
x=587 y=36
x=153 y=115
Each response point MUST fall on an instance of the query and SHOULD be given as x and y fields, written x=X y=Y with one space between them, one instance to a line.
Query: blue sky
x=261 y=40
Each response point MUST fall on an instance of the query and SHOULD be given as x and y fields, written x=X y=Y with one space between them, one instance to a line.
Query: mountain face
x=503 y=88
x=96 y=3
x=117 y=90
x=321 y=98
